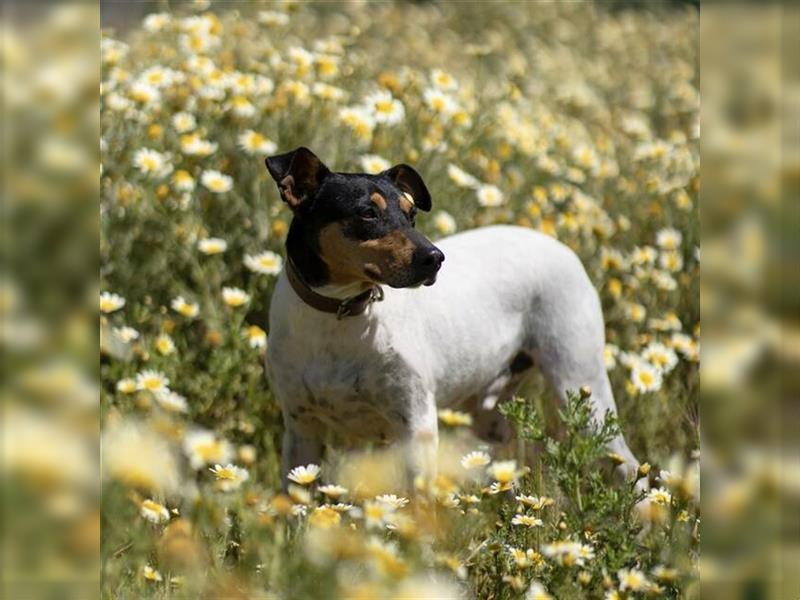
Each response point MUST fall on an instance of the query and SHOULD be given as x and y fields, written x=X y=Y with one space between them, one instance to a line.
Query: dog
x=364 y=347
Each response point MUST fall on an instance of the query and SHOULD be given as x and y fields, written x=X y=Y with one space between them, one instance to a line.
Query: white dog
x=359 y=350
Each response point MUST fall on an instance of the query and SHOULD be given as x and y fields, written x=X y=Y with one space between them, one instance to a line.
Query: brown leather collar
x=349 y=307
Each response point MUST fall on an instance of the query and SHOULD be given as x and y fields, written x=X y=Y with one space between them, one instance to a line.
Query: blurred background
x=749 y=300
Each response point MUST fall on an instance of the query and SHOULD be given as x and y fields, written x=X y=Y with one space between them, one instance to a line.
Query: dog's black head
x=355 y=227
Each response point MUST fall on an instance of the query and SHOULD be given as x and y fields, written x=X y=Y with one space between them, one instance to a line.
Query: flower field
x=578 y=121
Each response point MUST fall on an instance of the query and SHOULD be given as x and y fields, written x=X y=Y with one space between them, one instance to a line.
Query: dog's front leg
x=298 y=450
x=422 y=440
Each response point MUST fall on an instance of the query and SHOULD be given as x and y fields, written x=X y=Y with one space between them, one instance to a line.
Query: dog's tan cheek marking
x=378 y=200
x=341 y=254
x=346 y=258
x=395 y=247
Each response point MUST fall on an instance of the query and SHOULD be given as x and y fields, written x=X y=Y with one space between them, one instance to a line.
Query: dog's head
x=361 y=226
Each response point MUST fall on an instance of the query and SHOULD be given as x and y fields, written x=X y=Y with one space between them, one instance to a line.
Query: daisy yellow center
x=383 y=106
x=106 y=305
x=504 y=475
x=362 y=129
x=149 y=163
x=254 y=331
x=646 y=378
x=325 y=517
x=304 y=478
x=216 y=184
x=153 y=506
x=267 y=261
x=196 y=43
x=208 y=451
x=438 y=103
x=225 y=473
x=152 y=383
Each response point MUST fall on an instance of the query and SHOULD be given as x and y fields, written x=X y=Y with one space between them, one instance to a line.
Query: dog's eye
x=368 y=213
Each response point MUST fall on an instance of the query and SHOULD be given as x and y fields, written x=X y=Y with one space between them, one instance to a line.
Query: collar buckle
x=344 y=309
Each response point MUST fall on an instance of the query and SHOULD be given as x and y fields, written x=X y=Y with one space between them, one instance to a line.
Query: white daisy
x=253 y=142
x=235 y=297
x=156 y=22
x=304 y=475
x=489 y=195
x=443 y=80
x=267 y=262
x=374 y=164
x=212 y=245
x=669 y=239
x=154 y=512
x=216 y=181
x=475 y=459
x=151 y=163
x=151 y=381
x=164 y=344
x=229 y=477
x=256 y=337
x=645 y=377
x=444 y=223
x=126 y=386
x=193 y=145
x=202 y=448
x=126 y=334
x=392 y=500
x=460 y=177
x=440 y=102
x=385 y=108
x=183 y=122
x=187 y=309
x=332 y=490
x=660 y=356
x=150 y=574
x=172 y=401
x=272 y=18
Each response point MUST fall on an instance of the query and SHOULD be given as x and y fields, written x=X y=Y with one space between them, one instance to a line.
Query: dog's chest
x=356 y=396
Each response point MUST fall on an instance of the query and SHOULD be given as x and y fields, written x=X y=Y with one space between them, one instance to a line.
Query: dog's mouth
x=429 y=281
x=375 y=276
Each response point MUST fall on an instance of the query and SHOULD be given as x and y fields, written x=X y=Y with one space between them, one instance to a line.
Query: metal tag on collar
x=343 y=310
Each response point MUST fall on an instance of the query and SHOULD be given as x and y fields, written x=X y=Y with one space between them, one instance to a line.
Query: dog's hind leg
x=569 y=336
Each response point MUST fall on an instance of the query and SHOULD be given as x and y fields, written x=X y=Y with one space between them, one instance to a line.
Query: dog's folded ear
x=298 y=173
x=409 y=181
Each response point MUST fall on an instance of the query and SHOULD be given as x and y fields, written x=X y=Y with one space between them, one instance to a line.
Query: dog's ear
x=298 y=173
x=409 y=181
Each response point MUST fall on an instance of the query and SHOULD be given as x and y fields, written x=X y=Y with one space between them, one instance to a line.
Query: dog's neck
x=303 y=251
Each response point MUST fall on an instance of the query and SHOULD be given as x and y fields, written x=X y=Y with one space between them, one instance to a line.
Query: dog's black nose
x=429 y=259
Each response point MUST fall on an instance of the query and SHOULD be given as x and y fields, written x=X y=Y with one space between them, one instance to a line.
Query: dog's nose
x=431 y=258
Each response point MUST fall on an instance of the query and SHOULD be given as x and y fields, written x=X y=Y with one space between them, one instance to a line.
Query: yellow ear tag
x=409 y=197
